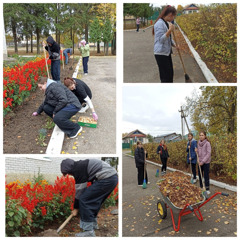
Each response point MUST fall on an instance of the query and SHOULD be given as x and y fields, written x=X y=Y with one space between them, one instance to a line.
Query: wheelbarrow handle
x=225 y=194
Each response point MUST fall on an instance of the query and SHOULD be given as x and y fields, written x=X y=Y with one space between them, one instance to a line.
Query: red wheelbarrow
x=165 y=203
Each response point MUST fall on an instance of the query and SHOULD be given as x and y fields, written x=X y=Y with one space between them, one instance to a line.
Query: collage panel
x=180 y=149
x=61 y=197
x=191 y=43
x=59 y=78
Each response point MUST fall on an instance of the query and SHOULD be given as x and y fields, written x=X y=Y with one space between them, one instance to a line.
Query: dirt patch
x=21 y=129
x=107 y=222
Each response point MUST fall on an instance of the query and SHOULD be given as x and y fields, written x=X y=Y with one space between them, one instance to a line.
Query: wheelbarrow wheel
x=162 y=209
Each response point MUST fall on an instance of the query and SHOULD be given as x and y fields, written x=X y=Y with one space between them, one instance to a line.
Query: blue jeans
x=62 y=119
x=85 y=64
x=137 y=28
x=205 y=172
x=91 y=199
x=65 y=53
x=55 y=69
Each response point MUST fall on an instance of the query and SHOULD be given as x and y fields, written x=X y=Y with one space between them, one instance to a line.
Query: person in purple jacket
x=204 y=158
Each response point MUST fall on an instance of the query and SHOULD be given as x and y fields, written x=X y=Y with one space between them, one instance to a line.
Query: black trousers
x=205 y=172
x=164 y=164
x=91 y=199
x=62 y=119
x=193 y=166
x=141 y=175
x=165 y=67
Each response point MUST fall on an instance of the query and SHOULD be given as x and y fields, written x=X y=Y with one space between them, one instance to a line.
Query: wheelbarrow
x=165 y=203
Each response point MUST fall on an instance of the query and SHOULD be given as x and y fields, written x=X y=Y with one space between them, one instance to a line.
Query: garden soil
x=107 y=222
x=21 y=129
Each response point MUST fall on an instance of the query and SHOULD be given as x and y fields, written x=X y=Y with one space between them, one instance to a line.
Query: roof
x=134 y=133
x=165 y=135
x=191 y=7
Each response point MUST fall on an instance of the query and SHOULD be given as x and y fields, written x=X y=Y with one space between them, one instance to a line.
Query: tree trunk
x=26 y=43
x=107 y=49
x=86 y=32
x=114 y=44
x=73 y=43
x=38 y=38
x=104 y=48
x=98 y=47
x=31 y=42
x=14 y=30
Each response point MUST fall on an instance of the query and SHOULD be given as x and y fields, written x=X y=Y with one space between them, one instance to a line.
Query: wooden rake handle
x=64 y=223
x=46 y=61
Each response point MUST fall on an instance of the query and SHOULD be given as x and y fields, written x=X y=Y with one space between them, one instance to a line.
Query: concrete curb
x=213 y=182
x=205 y=70
x=134 y=30
x=57 y=138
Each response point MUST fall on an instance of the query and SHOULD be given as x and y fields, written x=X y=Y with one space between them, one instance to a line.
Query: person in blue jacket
x=191 y=155
x=164 y=156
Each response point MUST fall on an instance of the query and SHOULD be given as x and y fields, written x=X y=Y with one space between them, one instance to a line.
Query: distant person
x=85 y=51
x=54 y=55
x=82 y=92
x=65 y=53
x=138 y=21
x=191 y=155
x=163 y=153
x=88 y=200
x=163 y=43
x=140 y=163
x=204 y=154
x=60 y=104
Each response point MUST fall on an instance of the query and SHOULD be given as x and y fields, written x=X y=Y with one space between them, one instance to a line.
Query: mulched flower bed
x=21 y=129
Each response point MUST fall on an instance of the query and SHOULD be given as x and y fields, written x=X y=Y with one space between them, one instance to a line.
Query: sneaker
x=140 y=185
x=194 y=180
x=208 y=192
x=84 y=109
x=85 y=74
x=80 y=129
x=148 y=182
x=86 y=234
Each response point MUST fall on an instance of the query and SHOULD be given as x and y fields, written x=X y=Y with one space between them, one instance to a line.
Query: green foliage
x=39 y=178
x=18 y=219
x=49 y=124
x=215 y=110
x=214 y=31
x=41 y=137
x=95 y=32
x=223 y=157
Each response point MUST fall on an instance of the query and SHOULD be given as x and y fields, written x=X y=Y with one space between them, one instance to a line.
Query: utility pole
x=183 y=119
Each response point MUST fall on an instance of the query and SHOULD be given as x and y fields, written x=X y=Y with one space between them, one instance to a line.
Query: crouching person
x=60 y=104
x=88 y=201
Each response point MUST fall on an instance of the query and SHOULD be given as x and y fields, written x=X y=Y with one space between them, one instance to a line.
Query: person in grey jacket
x=60 y=104
x=88 y=200
x=54 y=55
x=163 y=43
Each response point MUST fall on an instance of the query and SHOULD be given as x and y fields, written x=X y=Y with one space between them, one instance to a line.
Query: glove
x=35 y=114
x=95 y=116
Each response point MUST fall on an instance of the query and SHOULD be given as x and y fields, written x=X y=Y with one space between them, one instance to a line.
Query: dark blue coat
x=192 y=151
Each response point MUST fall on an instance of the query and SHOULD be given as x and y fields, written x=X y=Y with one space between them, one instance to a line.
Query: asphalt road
x=140 y=217
x=140 y=65
x=102 y=81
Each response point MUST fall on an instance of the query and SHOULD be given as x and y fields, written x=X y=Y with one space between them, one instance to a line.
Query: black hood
x=50 y=40
x=67 y=166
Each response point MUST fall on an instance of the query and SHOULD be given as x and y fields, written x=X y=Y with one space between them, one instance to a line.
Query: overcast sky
x=153 y=108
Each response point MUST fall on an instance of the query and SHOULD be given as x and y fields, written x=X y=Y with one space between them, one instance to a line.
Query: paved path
x=102 y=82
x=140 y=64
x=140 y=217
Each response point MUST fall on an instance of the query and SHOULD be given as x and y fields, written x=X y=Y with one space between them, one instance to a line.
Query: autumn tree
x=214 y=110
x=95 y=33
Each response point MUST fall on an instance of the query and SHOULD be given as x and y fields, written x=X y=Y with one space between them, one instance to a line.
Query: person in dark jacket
x=140 y=162
x=191 y=155
x=60 y=104
x=88 y=201
x=163 y=152
x=83 y=93
x=54 y=54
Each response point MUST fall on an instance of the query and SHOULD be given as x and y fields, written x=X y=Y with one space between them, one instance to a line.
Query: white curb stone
x=57 y=138
x=205 y=70
x=213 y=182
